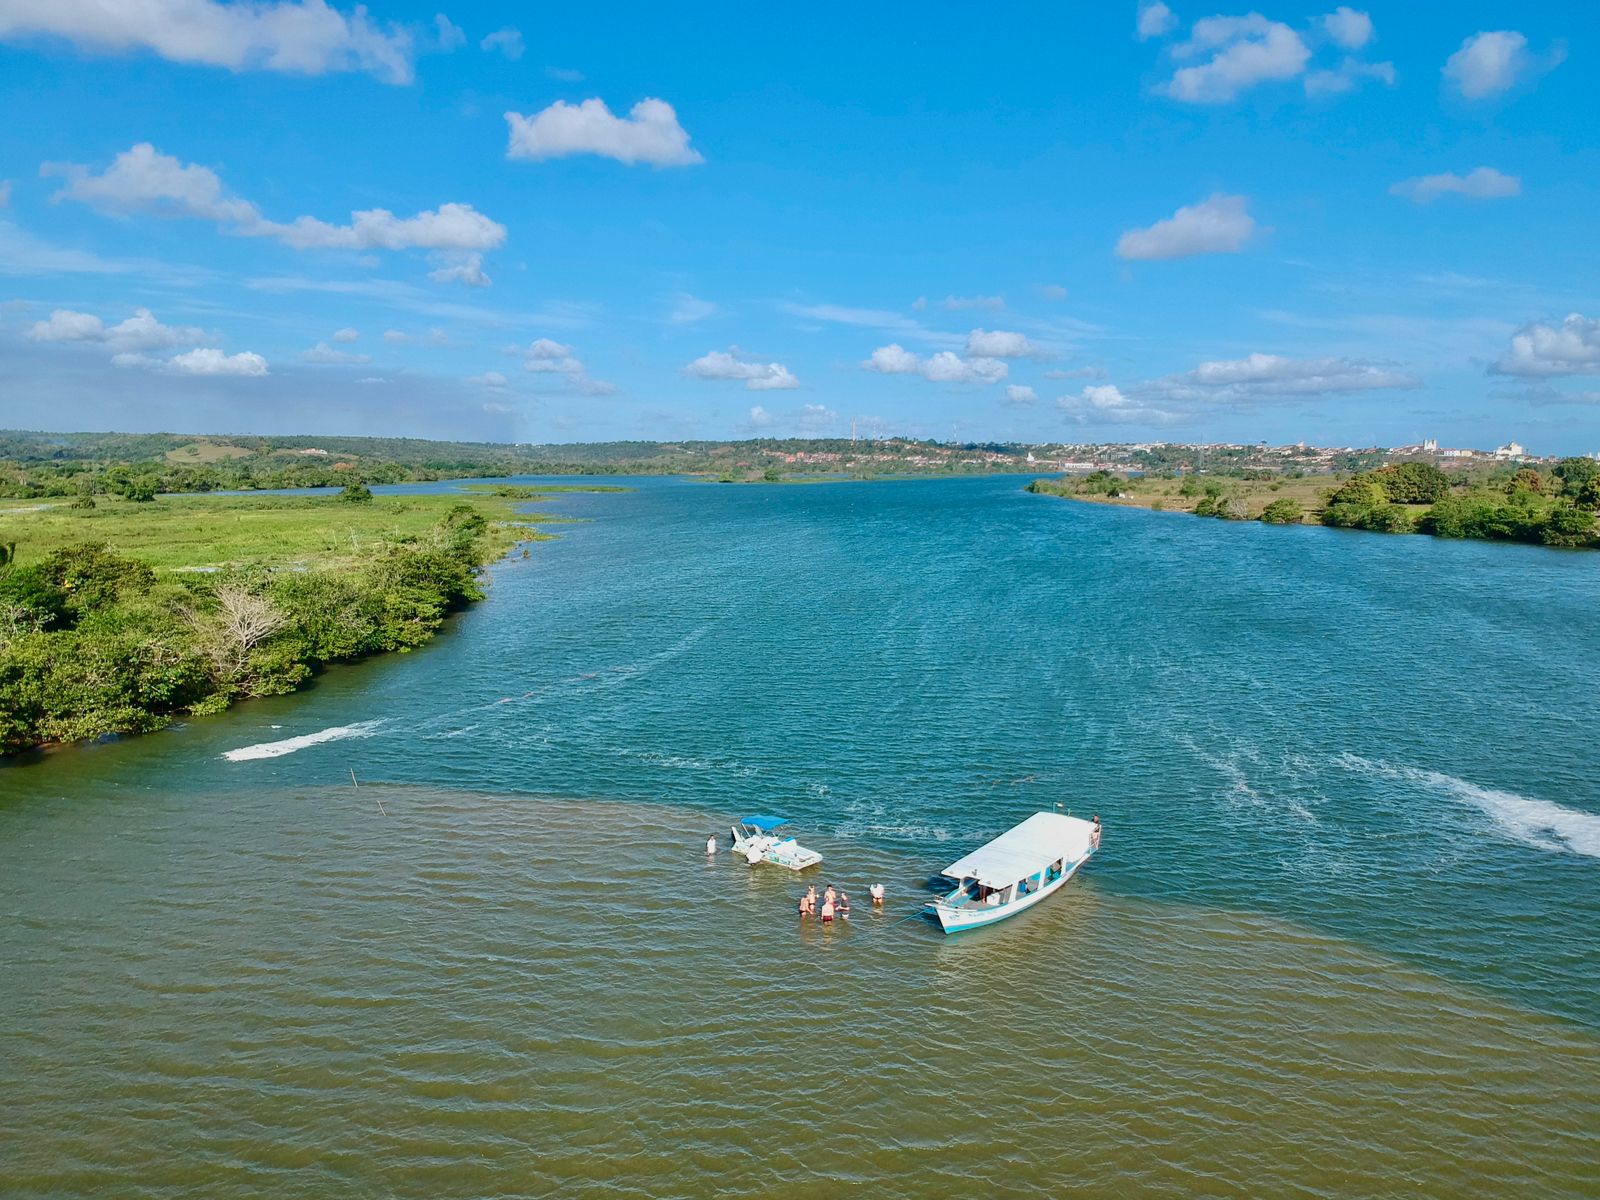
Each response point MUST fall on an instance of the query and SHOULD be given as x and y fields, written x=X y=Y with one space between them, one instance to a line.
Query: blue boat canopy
x=766 y=823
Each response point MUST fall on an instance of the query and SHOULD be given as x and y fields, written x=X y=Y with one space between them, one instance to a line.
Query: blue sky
x=1349 y=225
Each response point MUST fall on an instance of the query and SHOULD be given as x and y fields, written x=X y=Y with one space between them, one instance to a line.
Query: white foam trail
x=338 y=733
x=1542 y=824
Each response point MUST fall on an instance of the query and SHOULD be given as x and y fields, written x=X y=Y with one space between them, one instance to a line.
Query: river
x=443 y=924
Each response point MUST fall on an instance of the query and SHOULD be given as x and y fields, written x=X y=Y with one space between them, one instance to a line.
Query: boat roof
x=767 y=823
x=1025 y=849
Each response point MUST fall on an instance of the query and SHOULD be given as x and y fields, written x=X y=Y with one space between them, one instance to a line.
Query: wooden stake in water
x=354 y=784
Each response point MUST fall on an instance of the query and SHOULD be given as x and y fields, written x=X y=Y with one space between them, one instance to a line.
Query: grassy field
x=1166 y=493
x=179 y=532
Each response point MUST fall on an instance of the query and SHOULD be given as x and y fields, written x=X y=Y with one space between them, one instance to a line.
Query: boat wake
x=338 y=733
x=1543 y=824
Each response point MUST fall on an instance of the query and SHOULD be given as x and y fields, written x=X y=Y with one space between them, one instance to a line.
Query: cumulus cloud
x=395 y=337
x=1266 y=376
x=1571 y=348
x=1021 y=395
x=650 y=133
x=143 y=180
x=943 y=367
x=1218 y=225
x=1155 y=20
x=730 y=364
x=1347 y=27
x=447 y=33
x=507 y=41
x=1105 y=404
x=138 y=333
x=998 y=343
x=1493 y=62
x=492 y=380
x=546 y=356
x=1239 y=52
x=1484 y=183
x=325 y=354
x=466 y=268
x=306 y=38
x=1350 y=75
x=208 y=361
x=347 y=335
x=809 y=420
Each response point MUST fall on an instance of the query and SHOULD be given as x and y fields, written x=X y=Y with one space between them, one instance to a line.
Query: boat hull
x=959 y=919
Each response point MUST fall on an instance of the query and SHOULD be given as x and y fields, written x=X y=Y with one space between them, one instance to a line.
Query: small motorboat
x=1015 y=871
x=758 y=839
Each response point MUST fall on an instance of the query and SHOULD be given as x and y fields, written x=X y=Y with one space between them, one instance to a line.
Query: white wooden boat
x=1015 y=871
x=758 y=839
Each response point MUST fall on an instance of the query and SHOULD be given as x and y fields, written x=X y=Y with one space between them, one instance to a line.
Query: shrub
x=356 y=492
x=1286 y=511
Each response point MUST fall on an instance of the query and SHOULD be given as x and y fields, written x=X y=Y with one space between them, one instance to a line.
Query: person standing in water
x=876 y=892
x=711 y=845
x=827 y=907
x=843 y=907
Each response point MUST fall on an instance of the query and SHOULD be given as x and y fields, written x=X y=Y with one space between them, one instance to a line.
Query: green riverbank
x=119 y=616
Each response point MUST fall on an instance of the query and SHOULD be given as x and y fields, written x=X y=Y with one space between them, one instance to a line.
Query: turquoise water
x=1343 y=937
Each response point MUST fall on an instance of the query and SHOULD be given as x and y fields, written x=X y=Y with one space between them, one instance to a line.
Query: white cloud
x=1350 y=75
x=730 y=364
x=138 y=333
x=1218 y=225
x=492 y=380
x=1265 y=376
x=943 y=367
x=1021 y=395
x=564 y=74
x=760 y=418
x=867 y=318
x=448 y=34
x=546 y=356
x=1347 y=27
x=507 y=41
x=650 y=133
x=961 y=303
x=466 y=268
x=1155 y=20
x=998 y=343
x=1490 y=63
x=687 y=309
x=395 y=337
x=451 y=227
x=1244 y=51
x=1484 y=183
x=1052 y=291
x=307 y=38
x=1077 y=373
x=1571 y=348
x=142 y=179
x=809 y=420
x=207 y=361
x=1105 y=404
x=347 y=335
x=325 y=354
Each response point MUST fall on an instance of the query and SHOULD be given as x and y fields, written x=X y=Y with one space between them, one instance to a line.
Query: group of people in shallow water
x=834 y=903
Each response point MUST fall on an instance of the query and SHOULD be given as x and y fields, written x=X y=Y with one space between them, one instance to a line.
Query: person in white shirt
x=711 y=844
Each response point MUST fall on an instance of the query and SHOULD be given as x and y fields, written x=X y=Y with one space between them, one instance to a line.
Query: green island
x=120 y=613
x=1551 y=505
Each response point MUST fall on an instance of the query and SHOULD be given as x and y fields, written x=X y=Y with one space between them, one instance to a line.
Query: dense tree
x=1285 y=511
x=1414 y=483
x=1576 y=473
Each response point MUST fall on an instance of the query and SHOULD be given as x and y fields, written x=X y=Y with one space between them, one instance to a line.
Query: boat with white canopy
x=758 y=840
x=1015 y=871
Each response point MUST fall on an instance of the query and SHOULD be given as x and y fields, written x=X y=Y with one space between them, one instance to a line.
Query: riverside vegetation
x=118 y=615
x=1552 y=506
